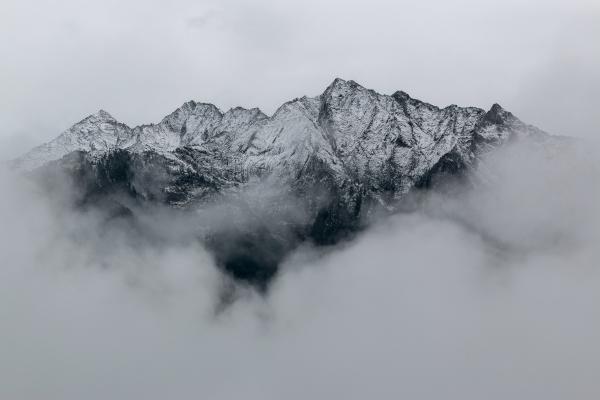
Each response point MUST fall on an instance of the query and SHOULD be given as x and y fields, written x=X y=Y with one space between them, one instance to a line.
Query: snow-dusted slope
x=96 y=134
x=381 y=143
x=259 y=185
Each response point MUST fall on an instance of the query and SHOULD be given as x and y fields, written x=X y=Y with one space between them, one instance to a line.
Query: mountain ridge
x=316 y=170
x=198 y=117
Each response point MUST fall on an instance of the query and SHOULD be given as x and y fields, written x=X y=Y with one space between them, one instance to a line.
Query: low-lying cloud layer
x=489 y=294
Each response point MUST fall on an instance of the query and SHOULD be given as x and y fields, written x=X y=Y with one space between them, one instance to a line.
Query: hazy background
x=140 y=59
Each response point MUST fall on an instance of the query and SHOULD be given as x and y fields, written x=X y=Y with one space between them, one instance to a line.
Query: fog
x=489 y=293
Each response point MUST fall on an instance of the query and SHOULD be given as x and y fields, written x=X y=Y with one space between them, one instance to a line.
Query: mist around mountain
x=252 y=188
x=142 y=273
x=487 y=291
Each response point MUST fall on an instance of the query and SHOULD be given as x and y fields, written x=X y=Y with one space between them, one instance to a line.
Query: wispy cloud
x=424 y=305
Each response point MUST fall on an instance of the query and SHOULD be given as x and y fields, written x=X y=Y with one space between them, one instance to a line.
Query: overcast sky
x=140 y=59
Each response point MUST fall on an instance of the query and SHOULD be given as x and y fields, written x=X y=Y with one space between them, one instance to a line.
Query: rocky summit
x=253 y=186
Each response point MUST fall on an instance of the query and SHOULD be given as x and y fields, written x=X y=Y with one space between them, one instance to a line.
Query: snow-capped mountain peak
x=342 y=155
x=350 y=129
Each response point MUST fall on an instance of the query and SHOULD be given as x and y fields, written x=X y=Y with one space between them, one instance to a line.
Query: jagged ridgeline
x=254 y=186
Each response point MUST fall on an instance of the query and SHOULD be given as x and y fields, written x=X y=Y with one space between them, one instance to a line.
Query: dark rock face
x=450 y=168
x=318 y=168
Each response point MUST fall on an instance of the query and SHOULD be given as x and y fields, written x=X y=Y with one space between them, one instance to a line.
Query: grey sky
x=62 y=60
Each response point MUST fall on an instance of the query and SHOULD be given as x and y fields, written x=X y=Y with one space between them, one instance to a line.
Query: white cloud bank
x=494 y=295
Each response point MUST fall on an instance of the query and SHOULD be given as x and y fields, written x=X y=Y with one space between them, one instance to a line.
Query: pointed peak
x=203 y=104
x=341 y=87
x=192 y=104
x=189 y=104
x=338 y=81
x=258 y=111
x=177 y=119
x=103 y=114
x=100 y=115
x=401 y=95
x=496 y=108
x=194 y=107
x=497 y=114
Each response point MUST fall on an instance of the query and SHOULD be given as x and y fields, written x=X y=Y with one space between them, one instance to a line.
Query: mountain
x=313 y=171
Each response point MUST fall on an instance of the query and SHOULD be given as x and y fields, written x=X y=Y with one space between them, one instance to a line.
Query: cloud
x=491 y=294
